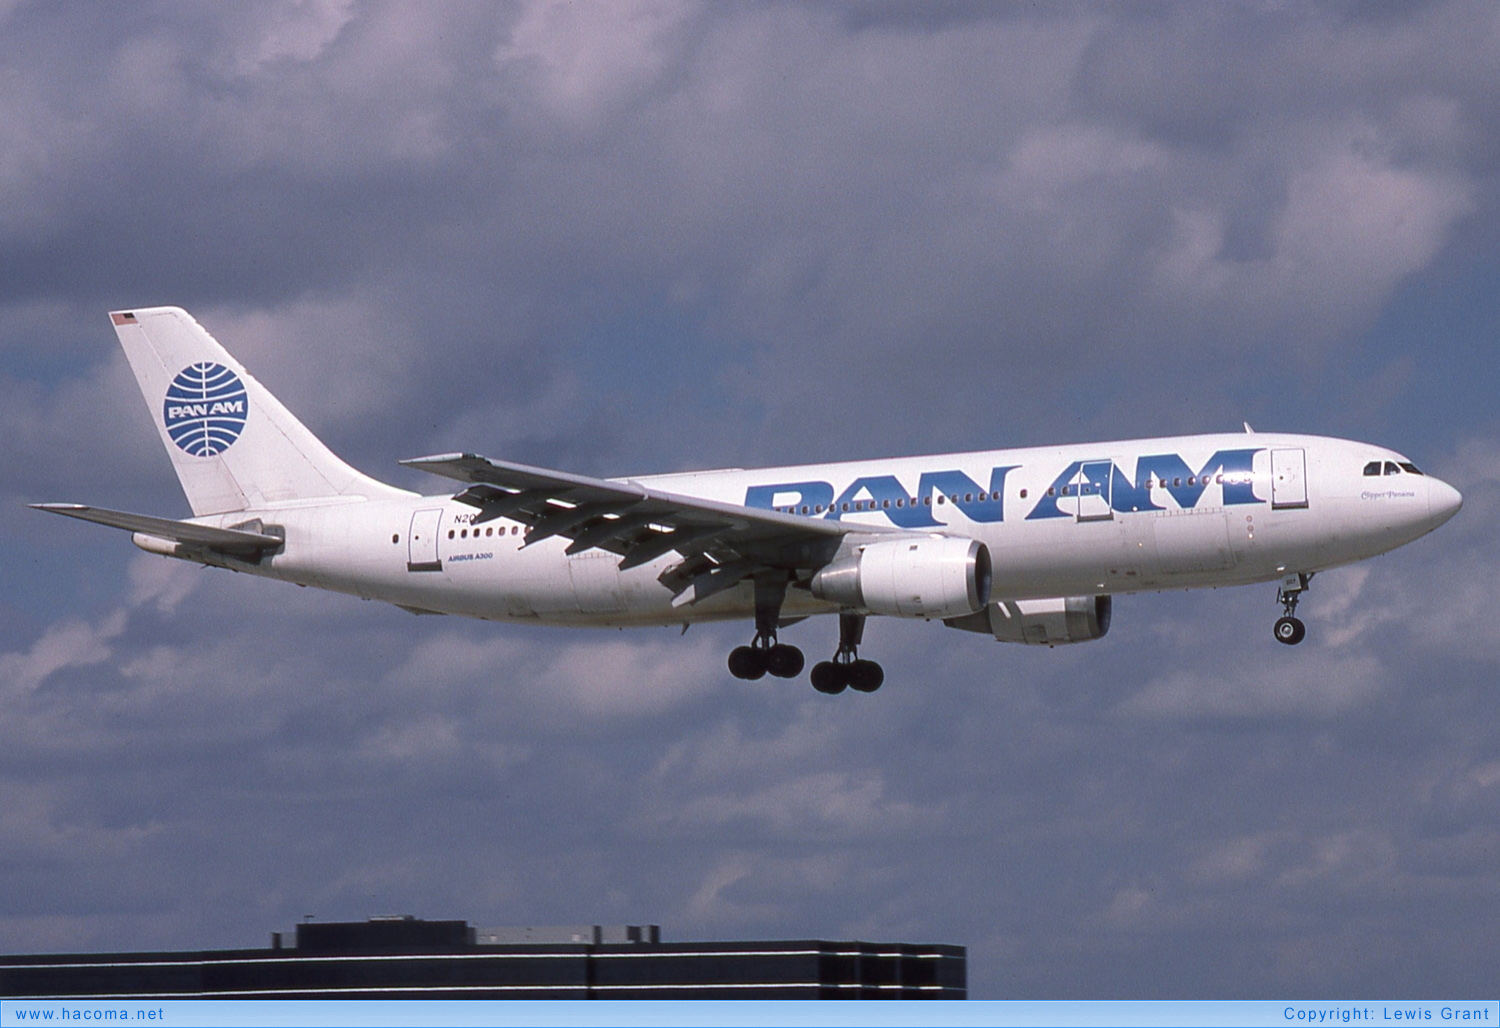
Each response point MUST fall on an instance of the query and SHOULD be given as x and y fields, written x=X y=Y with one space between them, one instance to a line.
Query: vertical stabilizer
x=233 y=444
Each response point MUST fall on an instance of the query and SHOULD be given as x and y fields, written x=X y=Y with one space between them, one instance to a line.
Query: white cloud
x=68 y=644
x=591 y=61
x=1317 y=685
x=299 y=32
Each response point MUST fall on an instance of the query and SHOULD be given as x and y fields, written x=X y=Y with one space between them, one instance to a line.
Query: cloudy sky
x=632 y=237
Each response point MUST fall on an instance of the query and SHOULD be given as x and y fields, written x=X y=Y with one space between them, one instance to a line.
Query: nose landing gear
x=846 y=669
x=1289 y=628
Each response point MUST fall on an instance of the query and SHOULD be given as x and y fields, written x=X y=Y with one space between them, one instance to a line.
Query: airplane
x=1025 y=545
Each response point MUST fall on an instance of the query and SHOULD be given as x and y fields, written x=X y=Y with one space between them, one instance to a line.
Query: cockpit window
x=1411 y=469
x=1372 y=469
x=1391 y=469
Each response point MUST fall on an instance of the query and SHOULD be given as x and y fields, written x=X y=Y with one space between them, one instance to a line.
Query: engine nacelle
x=1050 y=622
x=910 y=577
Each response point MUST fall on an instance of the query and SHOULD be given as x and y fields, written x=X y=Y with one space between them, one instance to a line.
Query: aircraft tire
x=785 y=661
x=828 y=677
x=1290 y=630
x=747 y=662
x=865 y=676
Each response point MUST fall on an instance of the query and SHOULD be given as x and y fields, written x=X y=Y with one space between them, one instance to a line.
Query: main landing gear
x=765 y=653
x=846 y=669
x=1289 y=628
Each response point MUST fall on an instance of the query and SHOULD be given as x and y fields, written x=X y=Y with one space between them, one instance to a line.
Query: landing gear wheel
x=784 y=661
x=1290 y=630
x=765 y=653
x=865 y=675
x=747 y=662
x=828 y=677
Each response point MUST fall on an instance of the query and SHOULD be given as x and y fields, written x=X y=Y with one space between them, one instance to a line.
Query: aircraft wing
x=721 y=543
x=228 y=540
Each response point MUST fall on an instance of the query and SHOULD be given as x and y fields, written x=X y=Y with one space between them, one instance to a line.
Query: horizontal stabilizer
x=227 y=540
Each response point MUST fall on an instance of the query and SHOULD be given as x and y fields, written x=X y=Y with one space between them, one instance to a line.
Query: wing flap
x=640 y=523
x=227 y=540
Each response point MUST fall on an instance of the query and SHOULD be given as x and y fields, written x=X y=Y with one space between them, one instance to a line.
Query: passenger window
x=885 y=504
x=1192 y=480
x=927 y=501
x=804 y=508
x=1176 y=481
x=1391 y=469
x=1411 y=469
x=901 y=503
x=942 y=498
x=1372 y=468
x=1051 y=490
x=1023 y=494
x=395 y=538
x=1065 y=490
x=968 y=498
x=450 y=533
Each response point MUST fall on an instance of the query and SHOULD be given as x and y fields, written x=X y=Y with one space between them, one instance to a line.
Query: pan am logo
x=205 y=409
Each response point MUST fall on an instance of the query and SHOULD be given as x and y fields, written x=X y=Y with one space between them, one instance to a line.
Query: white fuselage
x=1088 y=519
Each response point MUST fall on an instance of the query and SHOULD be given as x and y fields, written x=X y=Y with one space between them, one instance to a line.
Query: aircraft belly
x=1059 y=558
x=595 y=576
x=1191 y=541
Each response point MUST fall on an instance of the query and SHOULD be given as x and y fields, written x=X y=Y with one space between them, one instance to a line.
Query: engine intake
x=911 y=577
x=1049 y=622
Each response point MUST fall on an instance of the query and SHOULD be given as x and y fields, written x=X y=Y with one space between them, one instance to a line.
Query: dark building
x=408 y=958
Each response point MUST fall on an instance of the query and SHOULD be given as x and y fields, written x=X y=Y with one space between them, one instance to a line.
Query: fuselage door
x=1090 y=489
x=422 y=542
x=596 y=582
x=1288 y=479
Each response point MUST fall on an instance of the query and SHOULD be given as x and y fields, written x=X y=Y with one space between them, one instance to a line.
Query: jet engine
x=1049 y=622
x=911 y=577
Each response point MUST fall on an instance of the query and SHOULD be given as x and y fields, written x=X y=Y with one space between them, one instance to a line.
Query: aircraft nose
x=1443 y=501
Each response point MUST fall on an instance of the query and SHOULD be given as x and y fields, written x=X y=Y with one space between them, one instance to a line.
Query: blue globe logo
x=205 y=409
